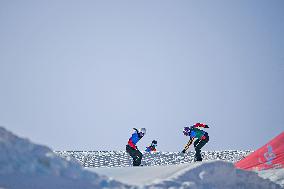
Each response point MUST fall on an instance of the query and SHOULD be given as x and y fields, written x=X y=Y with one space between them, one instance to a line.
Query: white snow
x=211 y=174
x=140 y=175
x=24 y=165
x=275 y=175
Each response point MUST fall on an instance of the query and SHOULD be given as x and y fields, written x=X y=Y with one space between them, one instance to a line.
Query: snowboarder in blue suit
x=152 y=147
x=131 y=147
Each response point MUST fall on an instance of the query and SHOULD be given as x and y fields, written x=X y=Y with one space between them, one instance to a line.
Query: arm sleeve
x=147 y=149
x=188 y=144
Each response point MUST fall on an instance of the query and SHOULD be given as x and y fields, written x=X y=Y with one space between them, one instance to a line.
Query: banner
x=270 y=156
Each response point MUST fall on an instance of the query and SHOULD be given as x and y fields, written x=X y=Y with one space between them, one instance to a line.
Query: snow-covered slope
x=111 y=163
x=205 y=175
x=275 y=175
x=26 y=165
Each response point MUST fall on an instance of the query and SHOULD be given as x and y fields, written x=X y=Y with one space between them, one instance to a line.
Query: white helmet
x=142 y=130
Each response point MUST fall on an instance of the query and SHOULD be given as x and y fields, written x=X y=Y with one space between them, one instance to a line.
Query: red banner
x=270 y=156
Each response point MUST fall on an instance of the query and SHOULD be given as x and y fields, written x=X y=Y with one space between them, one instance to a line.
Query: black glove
x=183 y=151
x=206 y=126
x=136 y=130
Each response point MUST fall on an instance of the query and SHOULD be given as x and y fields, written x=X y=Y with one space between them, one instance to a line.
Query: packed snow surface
x=203 y=175
x=114 y=163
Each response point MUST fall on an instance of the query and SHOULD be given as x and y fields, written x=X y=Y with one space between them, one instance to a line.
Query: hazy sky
x=79 y=75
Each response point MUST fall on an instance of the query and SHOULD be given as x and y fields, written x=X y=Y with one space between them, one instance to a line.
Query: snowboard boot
x=197 y=156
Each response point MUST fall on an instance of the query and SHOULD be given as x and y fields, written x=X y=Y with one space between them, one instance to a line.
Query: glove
x=136 y=130
x=183 y=151
x=206 y=126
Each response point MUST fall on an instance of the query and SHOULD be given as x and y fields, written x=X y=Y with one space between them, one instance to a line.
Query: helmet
x=142 y=130
x=186 y=131
x=154 y=143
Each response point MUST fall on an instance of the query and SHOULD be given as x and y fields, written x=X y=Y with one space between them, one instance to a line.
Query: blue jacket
x=133 y=140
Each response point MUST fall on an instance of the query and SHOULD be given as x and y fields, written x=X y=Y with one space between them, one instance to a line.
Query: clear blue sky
x=79 y=75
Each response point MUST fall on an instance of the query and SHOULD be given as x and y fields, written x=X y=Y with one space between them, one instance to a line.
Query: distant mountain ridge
x=122 y=159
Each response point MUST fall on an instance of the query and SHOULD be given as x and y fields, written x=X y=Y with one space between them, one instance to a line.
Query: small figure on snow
x=131 y=147
x=201 y=139
x=152 y=147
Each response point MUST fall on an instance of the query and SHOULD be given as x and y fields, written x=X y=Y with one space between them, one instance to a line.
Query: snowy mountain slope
x=24 y=165
x=122 y=159
x=27 y=165
x=204 y=175
x=275 y=175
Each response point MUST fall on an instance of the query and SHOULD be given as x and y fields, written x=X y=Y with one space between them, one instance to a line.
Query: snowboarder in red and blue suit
x=194 y=133
x=152 y=147
x=131 y=147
